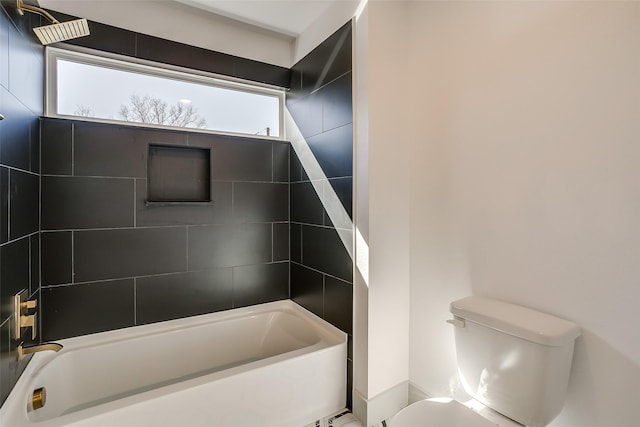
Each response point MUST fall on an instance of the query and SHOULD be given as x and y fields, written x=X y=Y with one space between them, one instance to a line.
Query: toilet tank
x=513 y=359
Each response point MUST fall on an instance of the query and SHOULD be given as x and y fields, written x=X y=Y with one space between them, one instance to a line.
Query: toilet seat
x=437 y=414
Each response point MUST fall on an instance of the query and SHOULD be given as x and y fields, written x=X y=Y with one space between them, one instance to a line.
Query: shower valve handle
x=30 y=322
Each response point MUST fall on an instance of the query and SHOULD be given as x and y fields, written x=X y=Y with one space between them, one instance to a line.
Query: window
x=112 y=90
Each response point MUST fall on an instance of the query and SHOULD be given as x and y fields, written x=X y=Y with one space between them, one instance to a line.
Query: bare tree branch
x=83 y=111
x=151 y=110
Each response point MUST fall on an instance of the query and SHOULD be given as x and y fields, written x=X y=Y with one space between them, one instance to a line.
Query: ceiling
x=286 y=17
x=289 y=17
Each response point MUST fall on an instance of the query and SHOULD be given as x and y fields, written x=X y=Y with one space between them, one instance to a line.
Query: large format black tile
x=178 y=295
x=338 y=303
x=184 y=214
x=14 y=273
x=306 y=112
x=261 y=72
x=57 y=257
x=213 y=246
x=10 y=368
x=160 y=136
x=307 y=288
x=4 y=204
x=34 y=147
x=337 y=107
x=256 y=284
x=23 y=203
x=281 y=161
x=103 y=37
x=295 y=168
x=7 y=357
x=323 y=250
x=281 y=241
x=170 y=52
x=26 y=70
x=15 y=132
x=69 y=311
x=334 y=151
x=79 y=202
x=111 y=254
x=4 y=49
x=108 y=151
x=296 y=243
x=56 y=139
x=35 y=262
x=343 y=188
x=331 y=59
x=260 y=202
x=306 y=206
x=237 y=159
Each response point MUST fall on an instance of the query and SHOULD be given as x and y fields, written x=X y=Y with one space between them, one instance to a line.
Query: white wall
x=337 y=14
x=525 y=154
x=381 y=351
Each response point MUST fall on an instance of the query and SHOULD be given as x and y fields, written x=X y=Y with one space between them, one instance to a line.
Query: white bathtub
x=273 y=364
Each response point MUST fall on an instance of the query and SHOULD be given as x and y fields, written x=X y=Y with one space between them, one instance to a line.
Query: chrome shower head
x=57 y=31
x=62 y=31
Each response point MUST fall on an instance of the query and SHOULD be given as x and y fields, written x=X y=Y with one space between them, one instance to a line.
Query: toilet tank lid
x=512 y=319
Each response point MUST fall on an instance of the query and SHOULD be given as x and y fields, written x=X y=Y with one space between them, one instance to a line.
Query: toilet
x=513 y=363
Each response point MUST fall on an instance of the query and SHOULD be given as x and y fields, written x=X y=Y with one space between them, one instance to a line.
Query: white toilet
x=513 y=361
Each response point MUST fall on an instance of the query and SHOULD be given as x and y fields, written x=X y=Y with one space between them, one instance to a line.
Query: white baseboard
x=382 y=406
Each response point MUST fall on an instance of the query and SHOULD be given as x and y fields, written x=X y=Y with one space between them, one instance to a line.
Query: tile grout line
x=73 y=259
x=135 y=300
x=135 y=217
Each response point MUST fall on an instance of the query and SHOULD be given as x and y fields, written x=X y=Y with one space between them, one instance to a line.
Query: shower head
x=62 y=31
x=57 y=31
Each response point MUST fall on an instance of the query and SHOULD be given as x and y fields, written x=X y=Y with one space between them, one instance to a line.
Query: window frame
x=155 y=69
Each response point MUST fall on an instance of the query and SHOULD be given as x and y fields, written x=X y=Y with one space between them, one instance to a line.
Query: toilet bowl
x=449 y=413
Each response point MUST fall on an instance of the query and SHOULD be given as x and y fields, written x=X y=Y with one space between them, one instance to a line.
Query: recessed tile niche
x=178 y=174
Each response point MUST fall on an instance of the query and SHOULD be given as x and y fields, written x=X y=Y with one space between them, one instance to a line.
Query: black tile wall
x=108 y=254
x=256 y=284
x=320 y=103
x=184 y=214
x=116 y=40
x=281 y=241
x=308 y=207
x=56 y=147
x=281 y=162
x=236 y=160
x=108 y=151
x=199 y=292
x=80 y=202
x=177 y=260
x=23 y=203
x=333 y=150
x=343 y=187
x=4 y=204
x=260 y=202
x=330 y=60
x=69 y=311
x=338 y=312
x=307 y=288
x=57 y=257
x=212 y=246
x=323 y=250
x=15 y=276
x=21 y=102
